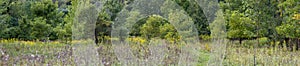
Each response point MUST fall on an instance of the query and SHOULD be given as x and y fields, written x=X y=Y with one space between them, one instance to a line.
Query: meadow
x=153 y=32
x=53 y=53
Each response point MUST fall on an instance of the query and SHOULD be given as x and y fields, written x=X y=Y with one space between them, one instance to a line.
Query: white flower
x=32 y=55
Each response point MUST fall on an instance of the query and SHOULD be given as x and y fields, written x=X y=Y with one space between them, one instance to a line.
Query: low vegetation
x=57 y=53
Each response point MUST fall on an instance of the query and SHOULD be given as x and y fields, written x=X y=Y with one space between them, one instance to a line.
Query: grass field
x=14 y=52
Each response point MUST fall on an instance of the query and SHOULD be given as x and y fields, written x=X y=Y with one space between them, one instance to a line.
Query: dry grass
x=14 y=52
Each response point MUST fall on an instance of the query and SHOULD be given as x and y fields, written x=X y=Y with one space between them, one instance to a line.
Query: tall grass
x=15 y=52
x=250 y=55
x=33 y=53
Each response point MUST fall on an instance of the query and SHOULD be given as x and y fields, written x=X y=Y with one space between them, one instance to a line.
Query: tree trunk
x=96 y=37
x=281 y=43
x=297 y=42
x=240 y=41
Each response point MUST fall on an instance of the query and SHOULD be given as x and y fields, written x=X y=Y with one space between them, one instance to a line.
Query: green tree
x=196 y=12
x=4 y=18
x=290 y=27
x=266 y=19
x=40 y=29
x=103 y=26
x=151 y=28
x=23 y=19
x=218 y=26
x=45 y=11
x=156 y=26
x=240 y=26
x=64 y=30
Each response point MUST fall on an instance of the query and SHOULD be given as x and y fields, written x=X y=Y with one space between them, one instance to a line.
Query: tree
x=290 y=26
x=103 y=27
x=240 y=27
x=156 y=26
x=218 y=26
x=4 y=18
x=64 y=30
x=266 y=18
x=196 y=12
x=40 y=28
x=106 y=17
x=135 y=28
x=30 y=20
x=151 y=27
x=45 y=13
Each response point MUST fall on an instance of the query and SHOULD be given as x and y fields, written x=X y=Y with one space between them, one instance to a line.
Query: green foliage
x=218 y=26
x=4 y=18
x=30 y=20
x=205 y=37
x=135 y=29
x=183 y=24
x=263 y=41
x=151 y=28
x=40 y=29
x=266 y=19
x=192 y=8
x=103 y=24
x=19 y=19
x=240 y=26
x=64 y=30
x=169 y=32
x=156 y=26
x=114 y=6
x=290 y=28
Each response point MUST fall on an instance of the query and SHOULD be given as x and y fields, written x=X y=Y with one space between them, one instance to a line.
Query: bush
x=205 y=37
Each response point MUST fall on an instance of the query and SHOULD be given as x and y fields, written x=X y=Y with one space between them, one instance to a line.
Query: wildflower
x=30 y=43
